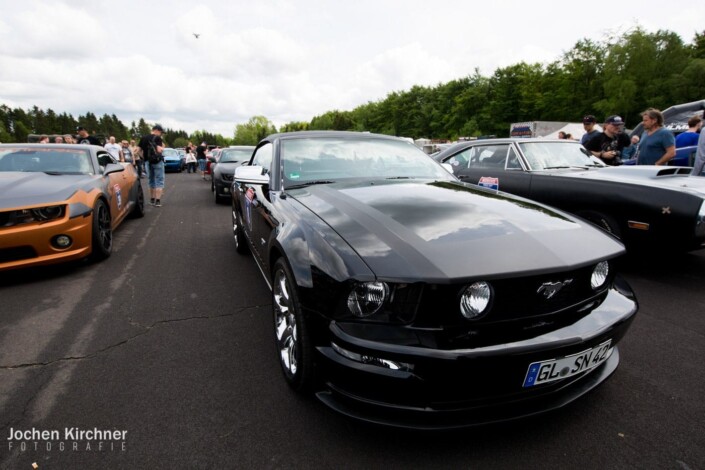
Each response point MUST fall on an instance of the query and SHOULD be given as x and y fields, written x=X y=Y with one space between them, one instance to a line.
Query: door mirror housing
x=112 y=168
x=251 y=175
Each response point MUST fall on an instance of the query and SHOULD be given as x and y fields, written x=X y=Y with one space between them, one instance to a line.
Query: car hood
x=447 y=231
x=228 y=167
x=666 y=177
x=20 y=189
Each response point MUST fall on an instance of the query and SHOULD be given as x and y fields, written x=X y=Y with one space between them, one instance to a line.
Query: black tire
x=604 y=222
x=138 y=210
x=291 y=337
x=216 y=198
x=102 y=237
x=239 y=236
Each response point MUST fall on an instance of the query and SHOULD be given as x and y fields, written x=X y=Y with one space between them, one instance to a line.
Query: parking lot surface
x=170 y=341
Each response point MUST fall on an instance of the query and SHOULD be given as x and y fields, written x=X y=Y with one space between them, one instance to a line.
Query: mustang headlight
x=599 y=274
x=366 y=298
x=475 y=300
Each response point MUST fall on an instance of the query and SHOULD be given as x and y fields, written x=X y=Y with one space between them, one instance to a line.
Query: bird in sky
x=196 y=35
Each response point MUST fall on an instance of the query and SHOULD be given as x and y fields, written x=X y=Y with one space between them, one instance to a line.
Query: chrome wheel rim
x=237 y=242
x=105 y=233
x=285 y=323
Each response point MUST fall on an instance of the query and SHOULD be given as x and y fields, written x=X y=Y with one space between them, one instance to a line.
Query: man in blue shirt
x=591 y=131
x=658 y=145
x=689 y=138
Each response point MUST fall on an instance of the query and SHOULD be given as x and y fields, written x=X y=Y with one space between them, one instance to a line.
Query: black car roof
x=300 y=134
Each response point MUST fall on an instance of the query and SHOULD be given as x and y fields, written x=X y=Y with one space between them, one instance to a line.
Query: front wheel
x=239 y=236
x=293 y=344
x=102 y=235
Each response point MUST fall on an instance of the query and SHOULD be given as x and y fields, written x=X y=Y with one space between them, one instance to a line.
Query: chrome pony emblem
x=549 y=289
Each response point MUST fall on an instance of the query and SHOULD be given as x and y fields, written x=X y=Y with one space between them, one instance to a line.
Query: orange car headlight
x=38 y=214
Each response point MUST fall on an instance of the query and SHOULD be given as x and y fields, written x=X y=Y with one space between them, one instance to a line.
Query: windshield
x=49 y=160
x=235 y=155
x=333 y=158
x=171 y=153
x=544 y=155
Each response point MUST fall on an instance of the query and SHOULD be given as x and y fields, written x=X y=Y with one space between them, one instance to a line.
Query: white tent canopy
x=575 y=129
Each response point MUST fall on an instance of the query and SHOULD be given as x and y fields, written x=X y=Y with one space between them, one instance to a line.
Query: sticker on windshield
x=489 y=182
x=294 y=176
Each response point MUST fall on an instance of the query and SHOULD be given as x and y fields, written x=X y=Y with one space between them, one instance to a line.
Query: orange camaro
x=62 y=202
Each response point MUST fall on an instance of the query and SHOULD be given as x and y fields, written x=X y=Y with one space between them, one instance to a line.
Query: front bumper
x=172 y=165
x=30 y=245
x=460 y=388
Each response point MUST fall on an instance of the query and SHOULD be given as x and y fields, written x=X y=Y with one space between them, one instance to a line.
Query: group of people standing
x=197 y=159
x=656 y=145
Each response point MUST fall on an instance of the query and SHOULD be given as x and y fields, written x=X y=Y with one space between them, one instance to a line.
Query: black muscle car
x=229 y=159
x=402 y=296
x=654 y=207
x=61 y=202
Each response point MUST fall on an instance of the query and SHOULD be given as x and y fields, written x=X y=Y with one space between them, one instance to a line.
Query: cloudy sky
x=286 y=60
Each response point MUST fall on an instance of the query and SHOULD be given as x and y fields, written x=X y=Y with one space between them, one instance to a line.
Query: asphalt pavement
x=169 y=344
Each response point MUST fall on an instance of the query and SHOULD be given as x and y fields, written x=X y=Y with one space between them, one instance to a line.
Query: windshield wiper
x=309 y=183
x=400 y=178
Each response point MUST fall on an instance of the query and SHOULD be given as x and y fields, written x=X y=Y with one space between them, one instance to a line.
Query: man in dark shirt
x=609 y=144
x=155 y=171
x=85 y=138
x=201 y=158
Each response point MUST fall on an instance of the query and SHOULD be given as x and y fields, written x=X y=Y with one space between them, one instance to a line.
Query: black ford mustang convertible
x=403 y=296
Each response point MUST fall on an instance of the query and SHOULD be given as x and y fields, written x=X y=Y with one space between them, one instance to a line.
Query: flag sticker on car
x=118 y=195
x=568 y=366
x=489 y=182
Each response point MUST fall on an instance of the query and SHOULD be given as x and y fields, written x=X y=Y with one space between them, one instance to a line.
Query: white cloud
x=284 y=60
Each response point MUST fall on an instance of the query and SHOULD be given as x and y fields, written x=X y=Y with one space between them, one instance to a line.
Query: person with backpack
x=152 y=147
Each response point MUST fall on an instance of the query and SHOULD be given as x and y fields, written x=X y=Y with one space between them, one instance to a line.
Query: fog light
x=599 y=274
x=62 y=241
x=475 y=300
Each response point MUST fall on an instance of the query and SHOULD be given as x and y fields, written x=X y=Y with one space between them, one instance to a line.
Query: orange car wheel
x=102 y=231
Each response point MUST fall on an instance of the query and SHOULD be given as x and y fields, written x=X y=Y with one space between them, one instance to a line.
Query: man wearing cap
x=155 y=171
x=589 y=126
x=658 y=145
x=84 y=138
x=609 y=144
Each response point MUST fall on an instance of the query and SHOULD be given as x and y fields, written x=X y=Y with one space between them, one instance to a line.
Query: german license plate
x=556 y=369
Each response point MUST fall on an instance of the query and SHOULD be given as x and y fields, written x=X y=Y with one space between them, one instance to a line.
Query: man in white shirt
x=115 y=150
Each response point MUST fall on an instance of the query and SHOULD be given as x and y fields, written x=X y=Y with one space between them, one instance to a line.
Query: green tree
x=294 y=126
x=699 y=45
x=256 y=129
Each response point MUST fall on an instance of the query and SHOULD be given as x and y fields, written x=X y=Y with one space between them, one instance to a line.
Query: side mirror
x=448 y=167
x=251 y=175
x=112 y=168
x=211 y=159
